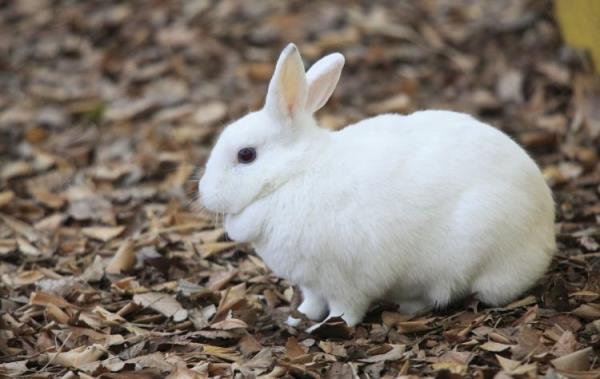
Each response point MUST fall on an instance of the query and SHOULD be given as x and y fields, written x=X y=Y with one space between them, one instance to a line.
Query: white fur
x=420 y=210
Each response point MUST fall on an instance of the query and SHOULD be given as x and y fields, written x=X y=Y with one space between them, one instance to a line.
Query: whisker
x=193 y=200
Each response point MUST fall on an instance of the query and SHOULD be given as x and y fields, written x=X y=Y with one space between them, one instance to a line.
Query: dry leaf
x=333 y=348
x=494 y=347
x=210 y=249
x=182 y=372
x=124 y=258
x=229 y=323
x=589 y=311
x=103 y=233
x=414 y=325
x=6 y=197
x=221 y=352
x=249 y=345
x=77 y=357
x=576 y=361
x=529 y=300
x=512 y=367
x=565 y=345
x=294 y=349
x=27 y=277
x=155 y=360
x=391 y=319
x=396 y=352
x=162 y=303
x=44 y=298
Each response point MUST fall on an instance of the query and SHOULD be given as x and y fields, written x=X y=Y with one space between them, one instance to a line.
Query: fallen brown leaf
x=576 y=361
x=162 y=303
x=124 y=258
x=77 y=357
x=103 y=233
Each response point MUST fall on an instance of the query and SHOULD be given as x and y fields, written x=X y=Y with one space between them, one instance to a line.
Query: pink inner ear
x=290 y=84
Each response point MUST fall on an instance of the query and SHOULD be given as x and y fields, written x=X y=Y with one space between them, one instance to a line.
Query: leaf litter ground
x=109 y=268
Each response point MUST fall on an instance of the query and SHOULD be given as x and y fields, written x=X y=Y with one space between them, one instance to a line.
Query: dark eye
x=247 y=155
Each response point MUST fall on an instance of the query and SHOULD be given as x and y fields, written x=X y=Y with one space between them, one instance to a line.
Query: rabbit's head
x=261 y=151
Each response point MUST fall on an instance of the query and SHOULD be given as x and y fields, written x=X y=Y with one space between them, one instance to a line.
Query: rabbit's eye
x=246 y=155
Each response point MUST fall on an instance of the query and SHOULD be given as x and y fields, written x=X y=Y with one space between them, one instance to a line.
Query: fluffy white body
x=419 y=210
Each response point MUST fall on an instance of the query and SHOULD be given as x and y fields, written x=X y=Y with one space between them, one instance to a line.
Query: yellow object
x=579 y=22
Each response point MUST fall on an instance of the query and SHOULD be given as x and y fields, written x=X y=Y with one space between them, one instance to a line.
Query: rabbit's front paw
x=352 y=314
x=313 y=305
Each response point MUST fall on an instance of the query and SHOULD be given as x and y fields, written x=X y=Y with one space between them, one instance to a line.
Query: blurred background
x=79 y=76
x=108 y=109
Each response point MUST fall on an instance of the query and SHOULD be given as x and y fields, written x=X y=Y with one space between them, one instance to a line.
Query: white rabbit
x=420 y=210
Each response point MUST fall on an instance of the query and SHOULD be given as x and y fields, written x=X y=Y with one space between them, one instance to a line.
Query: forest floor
x=108 y=110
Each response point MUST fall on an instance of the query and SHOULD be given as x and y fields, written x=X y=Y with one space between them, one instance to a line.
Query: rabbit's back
x=433 y=206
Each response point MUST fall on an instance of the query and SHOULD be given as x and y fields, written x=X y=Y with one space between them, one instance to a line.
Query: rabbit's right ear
x=286 y=96
x=322 y=78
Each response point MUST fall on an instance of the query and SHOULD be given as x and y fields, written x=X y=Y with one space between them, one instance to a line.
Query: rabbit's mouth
x=266 y=191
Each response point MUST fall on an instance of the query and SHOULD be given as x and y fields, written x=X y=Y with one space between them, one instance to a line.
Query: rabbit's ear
x=286 y=95
x=322 y=79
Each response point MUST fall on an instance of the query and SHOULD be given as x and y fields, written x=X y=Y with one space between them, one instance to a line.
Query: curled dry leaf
x=44 y=298
x=229 y=324
x=494 y=347
x=212 y=248
x=77 y=357
x=565 y=345
x=27 y=277
x=57 y=314
x=97 y=337
x=260 y=362
x=589 y=311
x=230 y=298
x=414 y=326
x=27 y=248
x=162 y=303
x=576 y=361
x=249 y=345
x=220 y=352
x=529 y=300
x=124 y=258
x=95 y=271
x=391 y=319
x=294 y=349
x=103 y=233
x=333 y=348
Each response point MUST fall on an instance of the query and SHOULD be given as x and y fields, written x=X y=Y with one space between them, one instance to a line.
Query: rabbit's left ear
x=322 y=79
x=286 y=95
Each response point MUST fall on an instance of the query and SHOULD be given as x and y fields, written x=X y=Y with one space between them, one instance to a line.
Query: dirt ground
x=108 y=268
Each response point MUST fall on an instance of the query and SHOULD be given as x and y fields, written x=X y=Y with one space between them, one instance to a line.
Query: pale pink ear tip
x=291 y=47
